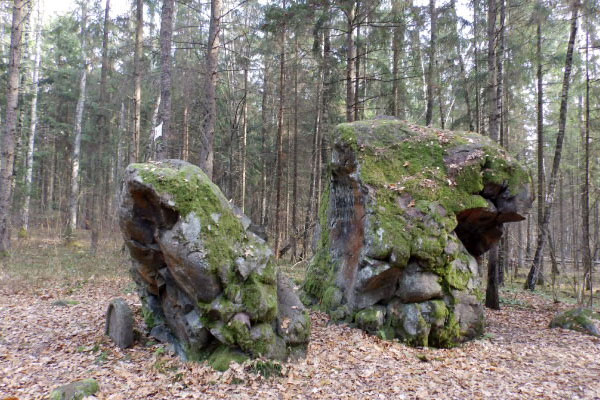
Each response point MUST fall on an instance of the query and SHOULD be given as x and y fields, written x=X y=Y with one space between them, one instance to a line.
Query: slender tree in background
x=166 y=146
x=534 y=272
x=431 y=68
x=279 y=143
x=103 y=132
x=350 y=12
x=540 y=120
x=398 y=88
x=585 y=192
x=134 y=154
x=210 y=89
x=75 y=158
x=34 y=119
x=10 y=124
x=492 y=298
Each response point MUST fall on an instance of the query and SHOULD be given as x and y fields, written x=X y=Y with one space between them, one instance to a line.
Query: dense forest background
x=251 y=91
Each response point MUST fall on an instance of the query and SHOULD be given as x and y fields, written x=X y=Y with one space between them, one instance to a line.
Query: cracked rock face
x=406 y=212
x=207 y=283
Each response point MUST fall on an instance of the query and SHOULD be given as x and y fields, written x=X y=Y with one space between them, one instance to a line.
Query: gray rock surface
x=206 y=281
x=405 y=212
x=119 y=323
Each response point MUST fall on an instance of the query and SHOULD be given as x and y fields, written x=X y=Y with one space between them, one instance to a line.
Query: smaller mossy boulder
x=406 y=211
x=208 y=283
x=580 y=319
x=75 y=390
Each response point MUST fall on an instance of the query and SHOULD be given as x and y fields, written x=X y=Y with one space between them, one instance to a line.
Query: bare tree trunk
x=398 y=96
x=244 y=138
x=350 y=12
x=585 y=192
x=34 y=121
x=279 y=144
x=166 y=145
x=210 y=118
x=430 y=71
x=476 y=66
x=540 y=130
x=10 y=125
x=263 y=149
x=137 y=77
x=74 y=195
x=104 y=132
x=532 y=278
x=463 y=74
x=492 y=298
x=295 y=177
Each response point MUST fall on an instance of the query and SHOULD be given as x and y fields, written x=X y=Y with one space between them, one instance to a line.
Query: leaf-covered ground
x=53 y=336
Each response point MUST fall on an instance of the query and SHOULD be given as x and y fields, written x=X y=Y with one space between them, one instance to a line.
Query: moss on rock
x=393 y=197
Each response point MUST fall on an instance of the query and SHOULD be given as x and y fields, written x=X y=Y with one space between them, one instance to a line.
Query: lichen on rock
x=406 y=211
x=208 y=284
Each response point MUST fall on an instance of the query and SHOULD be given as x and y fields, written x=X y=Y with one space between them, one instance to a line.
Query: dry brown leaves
x=44 y=345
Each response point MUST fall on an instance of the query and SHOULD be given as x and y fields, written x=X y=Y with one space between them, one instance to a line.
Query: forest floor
x=52 y=313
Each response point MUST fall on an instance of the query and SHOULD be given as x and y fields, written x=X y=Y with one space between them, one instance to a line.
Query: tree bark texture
x=533 y=275
x=166 y=144
x=10 y=124
x=210 y=117
x=430 y=71
x=137 y=77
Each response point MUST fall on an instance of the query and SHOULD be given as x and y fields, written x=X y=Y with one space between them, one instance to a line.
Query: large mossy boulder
x=406 y=212
x=207 y=282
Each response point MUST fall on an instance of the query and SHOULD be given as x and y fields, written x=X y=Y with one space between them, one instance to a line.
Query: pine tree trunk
x=10 y=124
x=295 y=152
x=134 y=155
x=103 y=130
x=534 y=272
x=166 y=145
x=350 y=60
x=263 y=148
x=430 y=71
x=492 y=298
x=540 y=129
x=585 y=192
x=279 y=143
x=210 y=118
x=398 y=105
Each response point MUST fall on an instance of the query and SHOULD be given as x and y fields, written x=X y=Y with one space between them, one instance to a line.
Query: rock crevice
x=207 y=282
x=406 y=211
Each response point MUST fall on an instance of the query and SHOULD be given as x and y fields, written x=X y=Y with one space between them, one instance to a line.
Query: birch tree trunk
x=10 y=124
x=74 y=195
x=534 y=272
x=34 y=121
